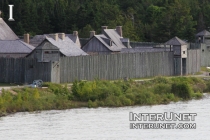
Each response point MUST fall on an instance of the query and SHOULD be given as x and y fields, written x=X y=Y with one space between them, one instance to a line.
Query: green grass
x=102 y=93
x=205 y=69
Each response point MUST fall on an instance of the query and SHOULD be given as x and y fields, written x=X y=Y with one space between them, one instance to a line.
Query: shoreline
x=101 y=93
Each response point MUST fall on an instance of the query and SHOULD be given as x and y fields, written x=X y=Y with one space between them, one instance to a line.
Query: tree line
x=142 y=20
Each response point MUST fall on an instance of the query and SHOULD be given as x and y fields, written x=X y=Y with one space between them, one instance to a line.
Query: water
x=103 y=123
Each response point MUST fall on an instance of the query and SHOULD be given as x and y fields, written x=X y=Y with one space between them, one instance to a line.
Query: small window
x=46 y=52
x=183 y=52
x=202 y=50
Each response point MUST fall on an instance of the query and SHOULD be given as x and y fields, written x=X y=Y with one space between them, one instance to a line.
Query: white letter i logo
x=11 y=13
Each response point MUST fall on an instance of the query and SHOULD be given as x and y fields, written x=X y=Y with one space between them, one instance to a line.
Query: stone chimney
x=102 y=28
x=26 y=38
x=119 y=30
x=54 y=36
x=75 y=33
x=92 y=33
x=61 y=36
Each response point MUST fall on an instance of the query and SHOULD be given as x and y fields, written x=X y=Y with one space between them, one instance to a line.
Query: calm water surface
x=104 y=123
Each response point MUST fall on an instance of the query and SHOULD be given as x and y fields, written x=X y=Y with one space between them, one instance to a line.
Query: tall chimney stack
x=75 y=33
x=102 y=28
x=61 y=36
x=92 y=33
x=54 y=36
x=119 y=30
x=26 y=38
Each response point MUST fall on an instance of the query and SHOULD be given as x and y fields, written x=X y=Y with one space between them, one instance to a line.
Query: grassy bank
x=101 y=93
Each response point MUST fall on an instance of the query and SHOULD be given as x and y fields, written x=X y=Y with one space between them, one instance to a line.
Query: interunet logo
x=140 y=120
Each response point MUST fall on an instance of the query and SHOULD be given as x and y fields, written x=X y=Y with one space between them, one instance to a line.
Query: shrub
x=92 y=104
x=162 y=80
x=162 y=88
x=207 y=89
x=182 y=90
x=197 y=95
x=125 y=101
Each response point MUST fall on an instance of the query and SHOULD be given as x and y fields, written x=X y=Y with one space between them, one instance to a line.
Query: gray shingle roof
x=66 y=46
x=15 y=46
x=36 y=40
x=106 y=42
x=115 y=37
x=74 y=38
x=5 y=32
x=203 y=33
x=176 y=41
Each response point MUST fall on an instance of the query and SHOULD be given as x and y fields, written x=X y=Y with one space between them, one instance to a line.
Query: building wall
x=55 y=72
x=207 y=40
x=177 y=50
x=177 y=66
x=184 y=51
x=205 y=55
x=116 y=66
x=193 y=61
x=94 y=45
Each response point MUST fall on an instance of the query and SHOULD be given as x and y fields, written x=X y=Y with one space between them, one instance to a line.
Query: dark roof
x=66 y=46
x=15 y=46
x=203 y=33
x=176 y=41
x=5 y=32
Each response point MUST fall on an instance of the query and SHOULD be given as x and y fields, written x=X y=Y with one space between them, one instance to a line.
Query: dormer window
x=110 y=43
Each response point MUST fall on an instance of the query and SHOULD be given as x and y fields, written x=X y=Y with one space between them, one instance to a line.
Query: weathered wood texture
x=193 y=61
x=116 y=66
x=22 y=70
x=205 y=55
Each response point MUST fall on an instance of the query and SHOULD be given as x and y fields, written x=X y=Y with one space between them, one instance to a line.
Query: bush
x=182 y=90
x=207 y=89
x=162 y=88
x=92 y=104
x=197 y=95
x=125 y=101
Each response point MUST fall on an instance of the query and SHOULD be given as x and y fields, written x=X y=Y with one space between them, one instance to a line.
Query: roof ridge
x=25 y=44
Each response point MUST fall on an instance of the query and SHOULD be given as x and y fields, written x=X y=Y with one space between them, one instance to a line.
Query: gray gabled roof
x=66 y=46
x=5 y=32
x=36 y=40
x=15 y=46
x=106 y=42
x=115 y=37
x=74 y=38
x=110 y=39
x=203 y=33
x=176 y=41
